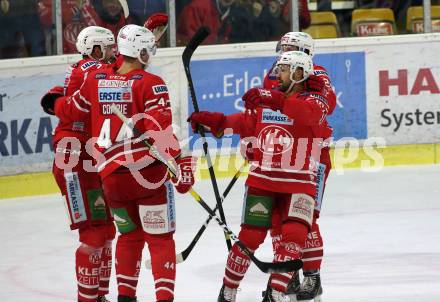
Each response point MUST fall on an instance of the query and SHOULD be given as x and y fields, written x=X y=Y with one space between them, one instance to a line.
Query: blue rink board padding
x=219 y=85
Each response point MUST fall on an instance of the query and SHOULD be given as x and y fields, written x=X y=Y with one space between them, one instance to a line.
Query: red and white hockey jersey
x=286 y=145
x=75 y=76
x=140 y=96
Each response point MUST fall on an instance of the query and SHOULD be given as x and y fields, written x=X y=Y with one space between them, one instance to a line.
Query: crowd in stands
x=27 y=27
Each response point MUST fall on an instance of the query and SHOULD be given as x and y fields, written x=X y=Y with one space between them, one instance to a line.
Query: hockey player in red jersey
x=137 y=186
x=287 y=128
x=314 y=248
x=86 y=204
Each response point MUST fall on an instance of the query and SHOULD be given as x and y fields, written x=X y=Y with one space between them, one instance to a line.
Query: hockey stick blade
x=201 y=34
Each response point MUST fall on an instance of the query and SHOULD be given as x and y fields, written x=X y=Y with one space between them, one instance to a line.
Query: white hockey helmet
x=132 y=39
x=302 y=40
x=295 y=59
x=94 y=36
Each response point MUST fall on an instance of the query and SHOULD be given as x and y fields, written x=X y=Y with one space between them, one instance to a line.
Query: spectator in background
x=20 y=32
x=304 y=15
x=78 y=14
x=211 y=13
x=253 y=21
x=140 y=10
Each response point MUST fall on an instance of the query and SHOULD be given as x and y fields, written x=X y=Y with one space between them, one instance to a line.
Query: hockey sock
x=313 y=250
x=293 y=237
x=128 y=258
x=88 y=261
x=105 y=269
x=163 y=264
x=238 y=262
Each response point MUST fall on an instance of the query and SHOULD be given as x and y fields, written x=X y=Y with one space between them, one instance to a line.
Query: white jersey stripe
x=127 y=277
x=253 y=165
x=79 y=107
x=281 y=179
x=164 y=280
x=102 y=165
x=88 y=296
x=311 y=259
x=166 y=289
x=126 y=285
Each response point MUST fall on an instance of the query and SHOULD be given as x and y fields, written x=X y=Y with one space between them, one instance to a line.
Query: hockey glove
x=157 y=24
x=315 y=83
x=49 y=99
x=186 y=167
x=259 y=97
x=211 y=121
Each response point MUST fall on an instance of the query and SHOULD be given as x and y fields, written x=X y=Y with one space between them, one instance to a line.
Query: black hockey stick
x=195 y=41
x=266 y=267
x=182 y=256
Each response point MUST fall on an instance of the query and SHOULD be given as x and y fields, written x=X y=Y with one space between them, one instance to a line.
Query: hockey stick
x=124 y=6
x=266 y=267
x=195 y=41
x=182 y=256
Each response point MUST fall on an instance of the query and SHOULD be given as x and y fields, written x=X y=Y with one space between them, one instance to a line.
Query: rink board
x=383 y=90
x=41 y=183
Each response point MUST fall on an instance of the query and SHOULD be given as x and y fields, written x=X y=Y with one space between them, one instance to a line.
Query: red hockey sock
x=128 y=258
x=313 y=250
x=105 y=269
x=238 y=262
x=293 y=237
x=163 y=264
x=88 y=260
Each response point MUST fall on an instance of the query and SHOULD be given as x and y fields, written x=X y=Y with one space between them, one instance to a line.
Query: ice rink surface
x=381 y=233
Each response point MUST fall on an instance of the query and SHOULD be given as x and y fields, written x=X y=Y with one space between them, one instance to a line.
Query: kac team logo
x=274 y=140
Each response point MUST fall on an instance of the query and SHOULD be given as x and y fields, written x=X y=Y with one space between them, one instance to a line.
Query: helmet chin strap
x=293 y=81
x=142 y=61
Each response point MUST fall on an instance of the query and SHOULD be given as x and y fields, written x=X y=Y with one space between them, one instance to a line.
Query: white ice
x=381 y=232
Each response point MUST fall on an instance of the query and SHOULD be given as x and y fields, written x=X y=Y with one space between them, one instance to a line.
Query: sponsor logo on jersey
x=275 y=140
x=259 y=208
x=75 y=198
x=154 y=219
x=275 y=117
x=114 y=83
x=320 y=72
x=78 y=126
x=87 y=65
x=137 y=77
x=159 y=89
x=100 y=76
x=122 y=95
x=315 y=95
x=171 y=205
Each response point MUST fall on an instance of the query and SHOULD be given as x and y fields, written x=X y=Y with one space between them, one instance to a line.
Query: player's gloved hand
x=315 y=83
x=259 y=97
x=186 y=167
x=211 y=121
x=49 y=99
x=157 y=24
